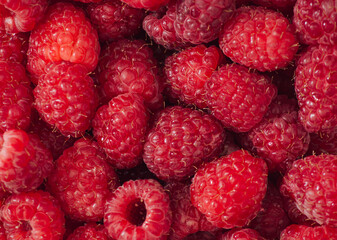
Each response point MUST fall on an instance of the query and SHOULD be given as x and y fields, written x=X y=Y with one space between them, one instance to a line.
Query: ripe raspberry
x=151 y=5
x=120 y=129
x=239 y=98
x=259 y=38
x=242 y=234
x=187 y=72
x=138 y=210
x=323 y=143
x=180 y=140
x=90 y=231
x=295 y=232
x=32 y=215
x=65 y=98
x=16 y=96
x=24 y=161
x=13 y=46
x=230 y=190
x=310 y=183
x=315 y=86
x=129 y=66
x=64 y=34
x=82 y=181
x=114 y=19
x=315 y=21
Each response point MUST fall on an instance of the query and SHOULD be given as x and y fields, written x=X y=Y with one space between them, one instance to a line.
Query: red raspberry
x=138 y=210
x=65 y=34
x=315 y=85
x=259 y=38
x=242 y=234
x=129 y=66
x=120 y=129
x=315 y=21
x=3 y=235
x=65 y=98
x=281 y=105
x=13 y=47
x=24 y=161
x=114 y=19
x=238 y=97
x=90 y=231
x=16 y=96
x=180 y=140
x=230 y=190
x=310 y=183
x=82 y=181
x=151 y=5
x=32 y=215
x=323 y=143
x=295 y=232
x=187 y=72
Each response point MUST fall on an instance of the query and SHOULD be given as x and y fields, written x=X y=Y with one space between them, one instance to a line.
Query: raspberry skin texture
x=259 y=38
x=238 y=97
x=90 y=231
x=242 y=234
x=24 y=161
x=294 y=232
x=13 y=47
x=180 y=140
x=315 y=21
x=315 y=84
x=32 y=215
x=114 y=19
x=120 y=127
x=187 y=72
x=16 y=97
x=66 y=98
x=230 y=190
x=311 y=184
x=64 y=34
x=199 y=22
x=138 y=209
x=151 y=5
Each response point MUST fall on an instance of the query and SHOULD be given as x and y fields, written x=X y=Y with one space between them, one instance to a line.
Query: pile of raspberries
x=168 y=120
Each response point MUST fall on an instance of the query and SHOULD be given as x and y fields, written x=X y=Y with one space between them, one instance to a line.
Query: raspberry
x=242 y=234
x=65 y=98
x=323 y=143
x=64 y=34
x=13 y=47
x=187 y=72
x=281 y=105
x=90 y=231
x=120 y=129
x=315 y=86
x=82 y=181
x=24 y=161
x=114 y=19
x=180 y=140
x=294 y=232
x=310 y=183
x=21 y=15
x=151 y=5
x=239 y=98
x=32 y=215
x=16 y=96
x=259 y=38
x=230 y=190
x=315 y=21
x=138 y=210
x=2 y=232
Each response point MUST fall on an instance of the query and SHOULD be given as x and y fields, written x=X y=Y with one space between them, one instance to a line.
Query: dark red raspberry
x=21 y=15
x=230 y=190
x=82 y=181
x=281 y=105
x=323 y=143
x=151 y=5
x=259 y=38
x=32 y=215
x=129 y=66
x=315 y=21
x=285 y=6
x=315 y=85
x=138 y=209
x=24 y=161
x=238 y=97
x=16 y=96
x=114 y=19
x=295 y=232
x=64 y=34
x=187 y=72
x=242 y=234
x=120 y=129
x=66 y=98
x=310 y=183
x=14 y=46
x=180 y=140
x=90 y=231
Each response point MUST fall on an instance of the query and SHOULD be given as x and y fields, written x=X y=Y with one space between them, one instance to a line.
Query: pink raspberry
x=90 y=231
x=138 y=209
x=151 y=5
x=295 y=232
x=242 y=234
x=180 y=140
x=14 y=46
x=230 y=190
x=259 y=38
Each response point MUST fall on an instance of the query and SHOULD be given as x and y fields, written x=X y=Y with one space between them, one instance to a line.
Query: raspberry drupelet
x=294 y=232
x=90 y=231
